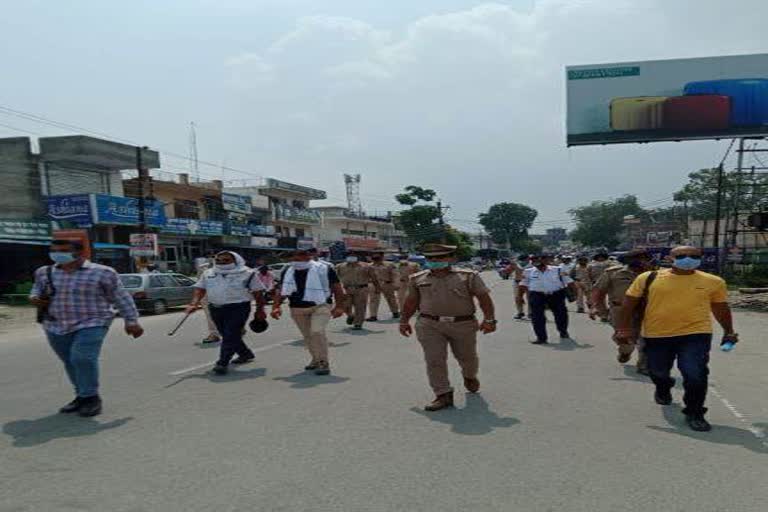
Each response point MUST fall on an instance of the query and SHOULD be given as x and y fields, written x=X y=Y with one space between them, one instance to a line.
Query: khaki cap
x=438 y=250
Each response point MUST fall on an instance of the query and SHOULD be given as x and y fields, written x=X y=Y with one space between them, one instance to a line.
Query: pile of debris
x=753 y=299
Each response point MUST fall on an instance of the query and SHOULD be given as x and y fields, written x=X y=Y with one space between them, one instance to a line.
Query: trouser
x=230 y=319
x=79 y=351
x=312 y=323
x=692 y=354
x=212 y=330
x=435 y=338
x=556 y=302
x=357 y=302
x=637 y=340
x=402 y=294
x=582 y=296
x=519 y=298
x=375 y=300
x=601 y=307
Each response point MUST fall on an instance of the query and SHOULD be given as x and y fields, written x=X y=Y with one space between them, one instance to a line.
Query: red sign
x=361 y=243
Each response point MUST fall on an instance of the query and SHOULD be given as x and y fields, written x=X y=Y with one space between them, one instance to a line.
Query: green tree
x=508 y=223
x=600 y=223
x=419 y=221
x=699 y=195
x=462 y=241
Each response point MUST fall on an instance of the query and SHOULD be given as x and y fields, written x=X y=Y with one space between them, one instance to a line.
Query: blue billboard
x=75 y=209
x=125 y=210
x=193 y=227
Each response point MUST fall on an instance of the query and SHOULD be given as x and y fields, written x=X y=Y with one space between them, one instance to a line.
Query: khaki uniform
x=446 y=296
x=615 y=282
x=356 y=279
x=387 y=276
x=404 y=271
x=583 y=286
x=595 y=270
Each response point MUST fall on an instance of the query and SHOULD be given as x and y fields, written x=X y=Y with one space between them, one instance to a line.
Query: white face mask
x=226 y=266
x=300 y=265
x=351 y=259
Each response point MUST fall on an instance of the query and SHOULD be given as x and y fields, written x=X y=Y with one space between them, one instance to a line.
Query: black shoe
x=580 y=310
x=71 y=407
x=220 y=369
x=357 y=328
x=372 y=319
x=395 y=315
x=322 y=368
x=89 y=407
x=243 y=360
x=565 y=336
x=663 y=396
x=311 y=366
x=519 y=316
x=539 y=342
x=350 y=320
x=210 y=340
x=698 y=423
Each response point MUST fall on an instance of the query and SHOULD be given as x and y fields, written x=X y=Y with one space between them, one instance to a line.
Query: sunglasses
x=692 y=256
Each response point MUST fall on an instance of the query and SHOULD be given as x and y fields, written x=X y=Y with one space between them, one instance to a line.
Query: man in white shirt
x=230 y=286
x=546 y=287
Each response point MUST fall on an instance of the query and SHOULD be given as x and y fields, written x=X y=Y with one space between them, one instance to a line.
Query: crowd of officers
x=444 y=299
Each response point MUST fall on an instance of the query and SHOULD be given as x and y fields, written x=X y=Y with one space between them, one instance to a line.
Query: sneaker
x=311 y=366
x=698 y=423
x=71 y=407
x=663 y=396
x=220 y=369
x=539 y=342
x=89 y=407
x=243 y=360
x=322 y=368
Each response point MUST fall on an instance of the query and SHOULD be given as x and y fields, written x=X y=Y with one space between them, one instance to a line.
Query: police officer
x=405 y=269
x=230 y=286
x=595 y=269
x=583 y=285
x=386 y=275
x=357 y=278
x=614 y=283
x=445 y=297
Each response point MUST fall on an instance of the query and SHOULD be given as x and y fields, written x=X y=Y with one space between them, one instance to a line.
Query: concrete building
x=356 y=231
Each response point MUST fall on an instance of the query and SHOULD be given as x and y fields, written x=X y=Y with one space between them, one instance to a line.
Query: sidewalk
x=14 y=318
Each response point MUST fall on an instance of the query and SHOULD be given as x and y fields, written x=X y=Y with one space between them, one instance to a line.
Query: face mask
x=438 y=265
x=687 y=263
x=62 y=257
x=300 y=265
x=226 y=266
x=351 y=259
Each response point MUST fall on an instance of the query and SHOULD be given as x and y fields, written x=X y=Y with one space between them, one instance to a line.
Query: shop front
x=24 y=246
x=183 y=240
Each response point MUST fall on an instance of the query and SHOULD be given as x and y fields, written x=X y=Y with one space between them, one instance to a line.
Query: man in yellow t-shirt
x=677 y=324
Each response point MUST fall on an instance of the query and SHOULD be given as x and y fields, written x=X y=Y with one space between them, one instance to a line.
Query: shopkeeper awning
x=24 y=242
x=104 y=245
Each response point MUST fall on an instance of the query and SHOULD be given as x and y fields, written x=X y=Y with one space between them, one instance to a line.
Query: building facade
x=337 y=223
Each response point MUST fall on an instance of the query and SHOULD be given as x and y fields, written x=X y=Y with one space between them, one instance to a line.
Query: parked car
x=155 y=293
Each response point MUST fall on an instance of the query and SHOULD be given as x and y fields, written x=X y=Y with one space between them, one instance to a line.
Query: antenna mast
x=353 y=194
x=194 y=167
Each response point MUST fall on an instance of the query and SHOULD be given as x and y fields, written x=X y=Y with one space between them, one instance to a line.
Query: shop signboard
x=668 y=100
x=125 y=210
x=236 y=203
x=238 y=229
x=258 y=229
x=312 y=193
x=193 y=227
x=25 y=229
x=74 y=208
x=263 y=241
x=305 y=243
x=143 y=244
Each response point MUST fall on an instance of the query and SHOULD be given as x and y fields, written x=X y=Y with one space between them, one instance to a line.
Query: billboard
x=143 y=244
x=236 y=203
x=668 y=100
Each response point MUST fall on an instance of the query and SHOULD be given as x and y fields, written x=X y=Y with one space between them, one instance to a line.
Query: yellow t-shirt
x=679 y=305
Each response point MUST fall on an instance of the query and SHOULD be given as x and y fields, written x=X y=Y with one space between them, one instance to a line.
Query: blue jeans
x=79 y=351
x=230 y=320
x=692 y=354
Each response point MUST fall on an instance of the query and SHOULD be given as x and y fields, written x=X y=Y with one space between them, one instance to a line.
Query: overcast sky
x=462 y=96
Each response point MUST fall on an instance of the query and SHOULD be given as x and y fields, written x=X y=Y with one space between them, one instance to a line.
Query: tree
x=419 y=221
x=462 y=241
x=508 y=223
x=700 y=193
x=600 y=223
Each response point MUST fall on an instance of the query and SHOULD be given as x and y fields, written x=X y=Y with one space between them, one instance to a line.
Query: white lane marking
x=211 y=363
x=756 y=431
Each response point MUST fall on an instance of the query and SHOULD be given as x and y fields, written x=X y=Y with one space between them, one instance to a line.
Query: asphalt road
x=555 y=428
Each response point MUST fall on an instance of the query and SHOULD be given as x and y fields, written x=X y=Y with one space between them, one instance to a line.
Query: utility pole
x=718 y=206
x=441 y=220
x=143 y=174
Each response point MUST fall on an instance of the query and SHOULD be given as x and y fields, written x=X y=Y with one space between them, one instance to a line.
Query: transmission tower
x=353 y=194
x=194 y=168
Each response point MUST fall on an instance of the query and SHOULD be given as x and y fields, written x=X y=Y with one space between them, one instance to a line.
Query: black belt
x=387 y=282
x=357 y=286
x=549 y=293
x=463 y=318
x=229 y=305
x=614 y=303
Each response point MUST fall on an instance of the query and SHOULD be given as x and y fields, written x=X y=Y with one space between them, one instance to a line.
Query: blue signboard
x=71 y=208
x=193 y=227
x=236 y=203
x=238 y=229
x=125 y=210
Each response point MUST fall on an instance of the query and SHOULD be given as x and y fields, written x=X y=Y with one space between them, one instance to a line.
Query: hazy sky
x=463 y=96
